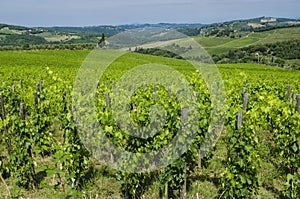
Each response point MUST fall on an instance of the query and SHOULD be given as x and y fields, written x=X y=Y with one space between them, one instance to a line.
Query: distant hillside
x=220 y=45
x=236 y=28
x=11 y=35
x=278 y=47
x=17 y=36
x=282 y=54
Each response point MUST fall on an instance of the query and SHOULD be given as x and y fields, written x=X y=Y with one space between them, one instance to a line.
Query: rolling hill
x=218 y=45
x=217 y=39
x=12 y=35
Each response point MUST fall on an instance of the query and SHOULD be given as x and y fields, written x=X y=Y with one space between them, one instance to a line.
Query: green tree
x=26 y=46
x=102 y=42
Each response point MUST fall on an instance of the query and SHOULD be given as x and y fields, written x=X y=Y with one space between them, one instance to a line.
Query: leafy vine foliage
x=45 y=143
x=45 y=132
x=241 y=177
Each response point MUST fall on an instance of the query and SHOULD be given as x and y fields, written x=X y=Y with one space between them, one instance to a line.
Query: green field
x=8 y=31
x=33 y=64
x=51 y=37
x=14 y=64
x=294 y=61
x=268 y=115
x=217 y=45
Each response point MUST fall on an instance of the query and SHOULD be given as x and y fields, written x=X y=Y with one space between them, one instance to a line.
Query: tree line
x=274 y=54
x=26 y=46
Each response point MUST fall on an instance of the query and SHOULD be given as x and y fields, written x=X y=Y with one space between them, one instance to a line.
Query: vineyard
x=43 y=154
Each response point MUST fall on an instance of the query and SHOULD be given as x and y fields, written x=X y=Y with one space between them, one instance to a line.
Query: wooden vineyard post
x=114 y=87
x=3 y=116
x=179 y=92
x=184 y=182
x=298 y=103
x=96 y=93
x=288 y=93
x=84 y=88
x=154 y=93
x=38 y=87
x=21 y=84
x=145 y=86
x=134 y=107
x=107 y=99
x=112 y=158
x=169 y=91
x=36 y=102
x=245 y=107
x=114 y=90
x=245 y=102
x=97 y=86
x=293 y=97
x=73 y=109
x=244 y=90
x=41 y=85
x=22 y=112
x=134 y=89
x=185 y=114
x=134 y=94
x=13 y=88
x=239 y=119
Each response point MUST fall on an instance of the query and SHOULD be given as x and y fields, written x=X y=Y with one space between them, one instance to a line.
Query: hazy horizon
x=35 y=13
x=142 y=23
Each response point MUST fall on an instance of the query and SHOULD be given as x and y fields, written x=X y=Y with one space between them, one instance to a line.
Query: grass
x=8 y=31
x=240 y=42
x=217 y=50
x=293 y=61
x=14 y=64
x=282 y=35
x=212 y=41
x=104 y=185
x=48 y=36
x=261 y=35
x=61 y=38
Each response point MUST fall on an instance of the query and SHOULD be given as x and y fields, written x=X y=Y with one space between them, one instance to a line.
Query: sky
x=116 y=12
